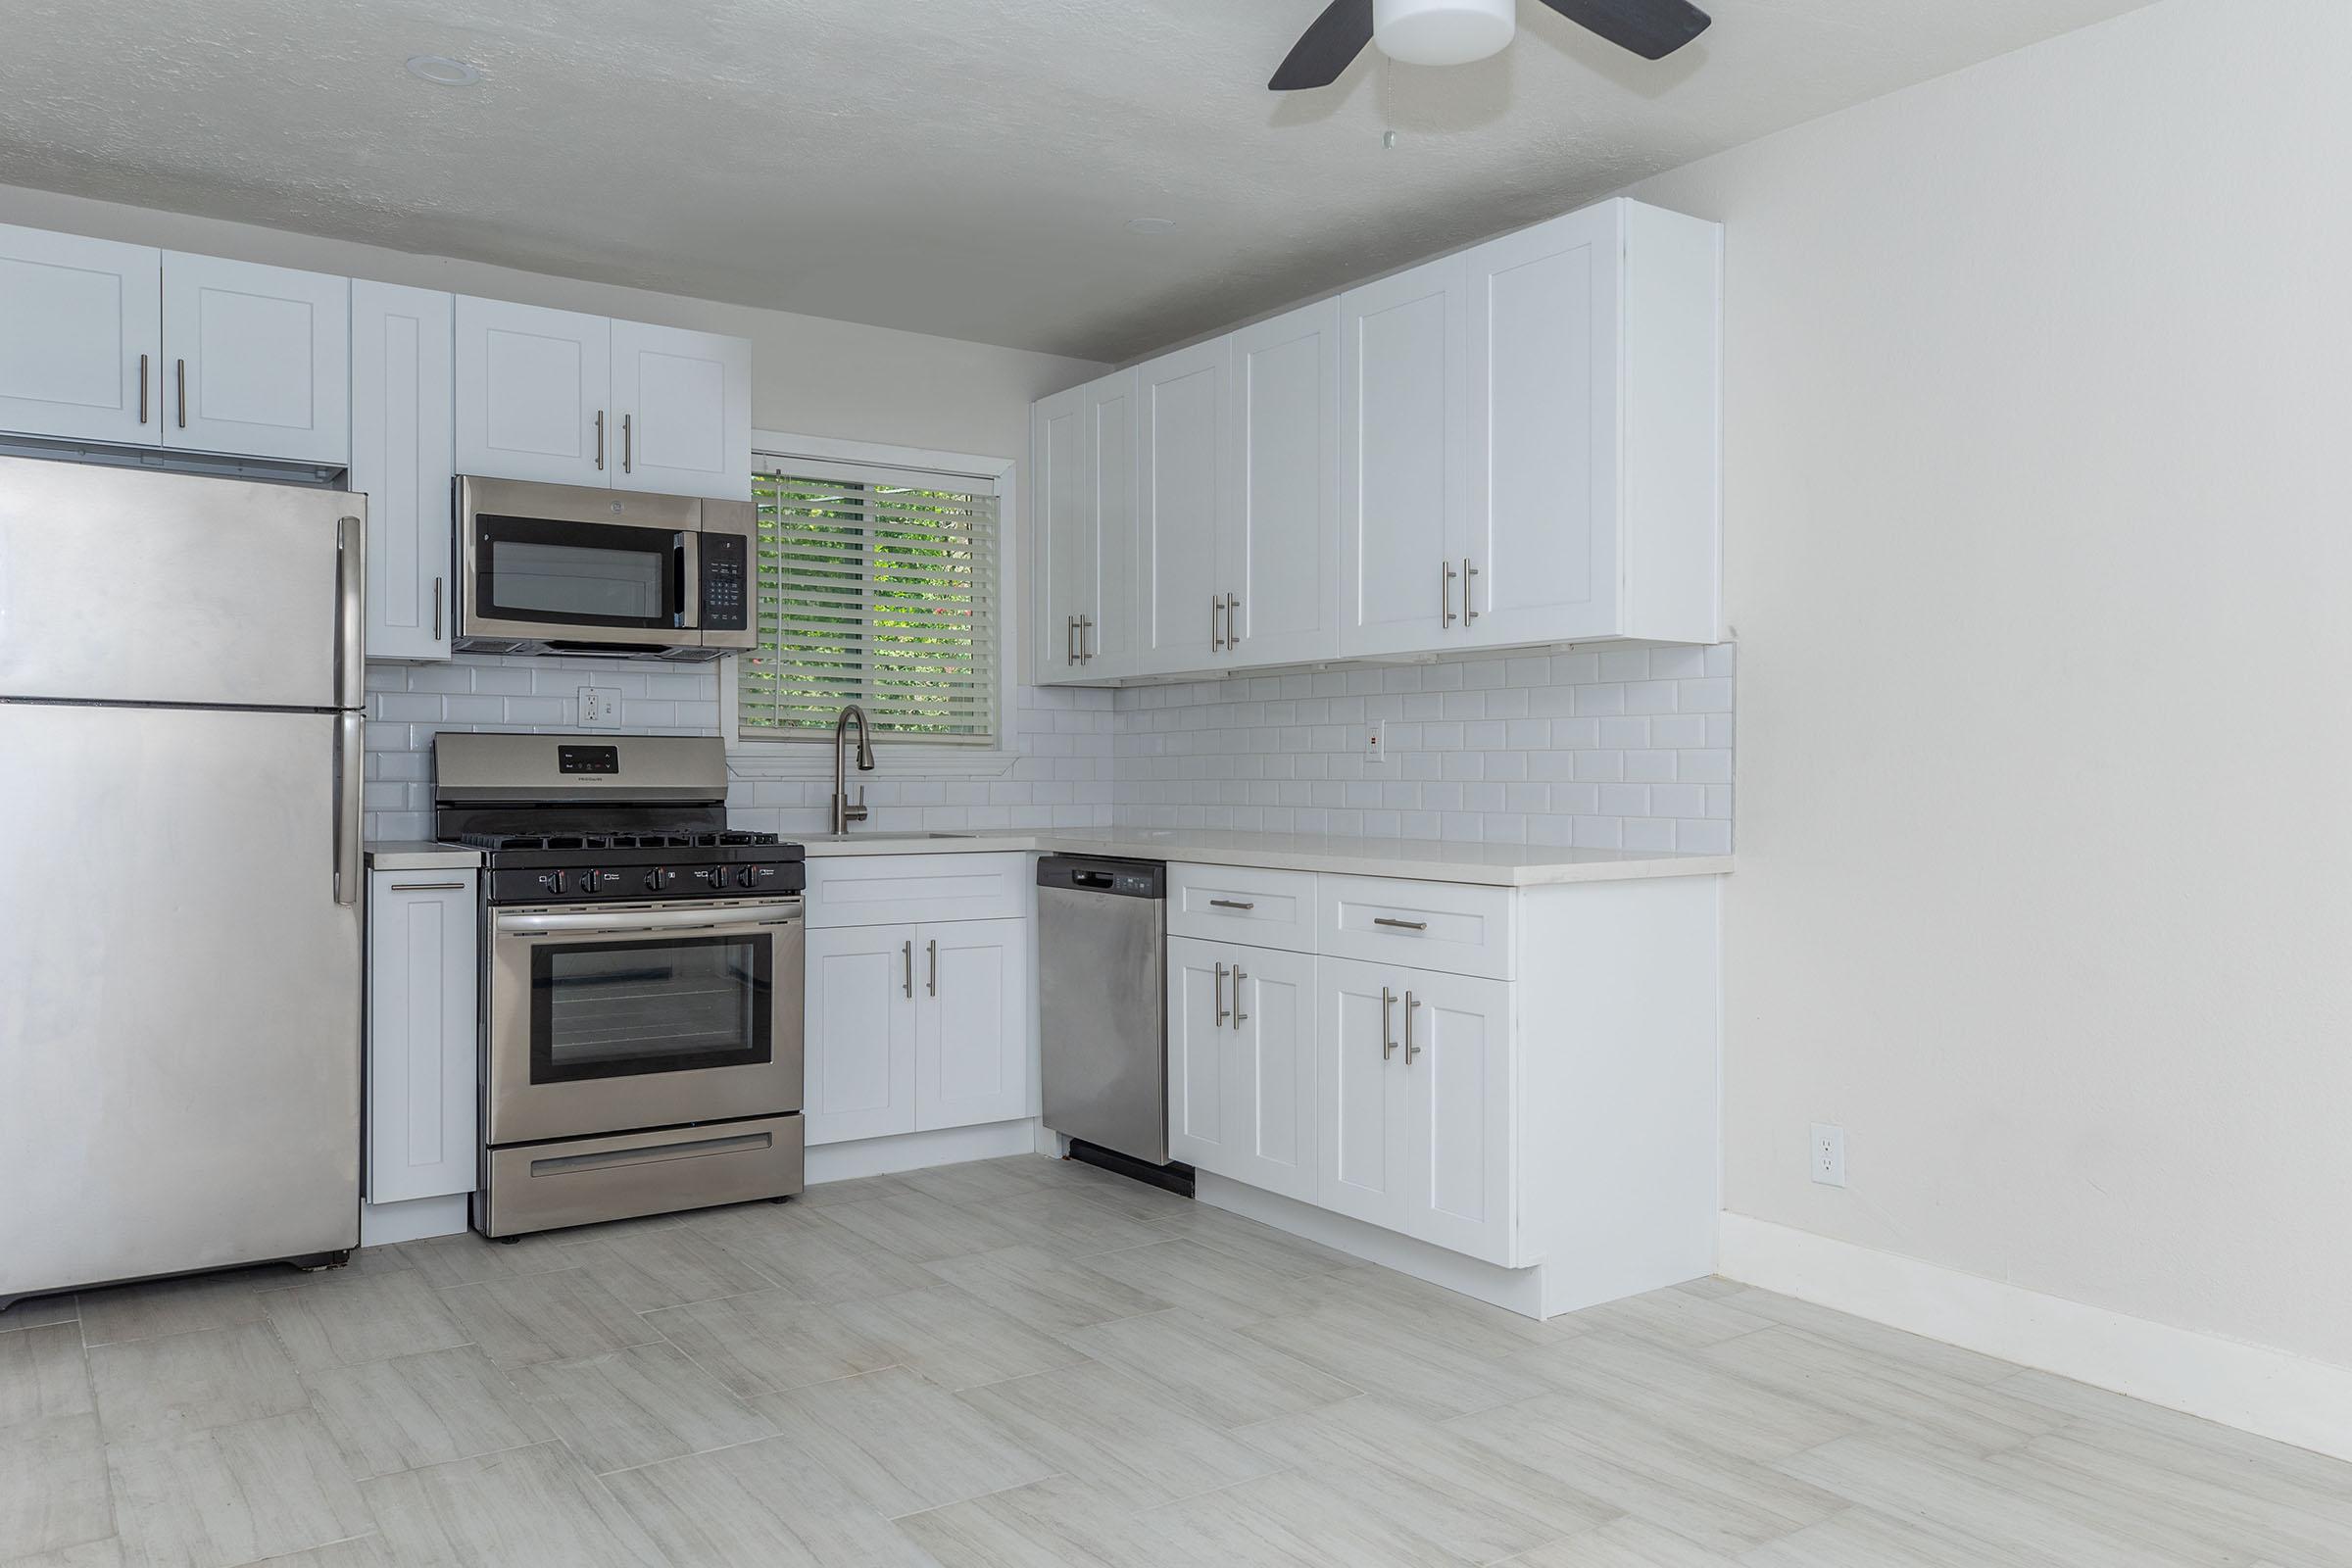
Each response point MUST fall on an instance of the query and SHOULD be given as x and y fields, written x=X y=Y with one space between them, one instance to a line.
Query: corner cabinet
x=575 y=399
x=1515 y=445
x=423 y=937
x=402 y=460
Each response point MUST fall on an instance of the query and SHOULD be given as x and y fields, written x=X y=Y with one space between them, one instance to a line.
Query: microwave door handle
x=690 y=585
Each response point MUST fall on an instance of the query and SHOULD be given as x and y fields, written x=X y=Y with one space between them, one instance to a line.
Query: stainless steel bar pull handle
x=437 y=586
x=1233 y=622
x=1401 y=926
x=142 y=389
x=1238 y=1017
x=1216 y=630
x=1446 y=595
x=1388 y=1037
x=1231 y=904
x=907 y=954
x=1086 y=641
x=428 y=887
x=1410 y=1050
x=181 y=375
x=1221 y=1015
x=600 y=439
x=1069 y=640
x=1469 y=597
x=628 y=444
x=931 y=983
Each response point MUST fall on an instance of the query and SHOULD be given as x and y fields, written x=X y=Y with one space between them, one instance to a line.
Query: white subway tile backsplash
x=1612 y=748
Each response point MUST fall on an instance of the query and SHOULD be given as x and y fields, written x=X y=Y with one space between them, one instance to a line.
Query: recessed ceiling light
x=443 y=71
x=1150 y=225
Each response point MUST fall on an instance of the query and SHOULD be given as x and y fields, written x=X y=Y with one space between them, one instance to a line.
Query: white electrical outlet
x=1375 y=742
x=600 y=708
x=1828 y=1154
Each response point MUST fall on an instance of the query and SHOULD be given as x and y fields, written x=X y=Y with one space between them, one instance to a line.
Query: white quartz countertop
x=1426 y=859
x=407 y=855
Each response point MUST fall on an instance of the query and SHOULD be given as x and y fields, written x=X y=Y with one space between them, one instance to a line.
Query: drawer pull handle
x=651 y=1153
x=1401 y=926
x=428 y=887
x=1231 y=904
x=1388 y=1033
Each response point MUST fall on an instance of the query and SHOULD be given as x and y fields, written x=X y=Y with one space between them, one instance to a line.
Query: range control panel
x=726 y=582
x=623 y=883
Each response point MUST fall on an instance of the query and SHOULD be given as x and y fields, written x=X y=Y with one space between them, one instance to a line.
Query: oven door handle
x=614 y=923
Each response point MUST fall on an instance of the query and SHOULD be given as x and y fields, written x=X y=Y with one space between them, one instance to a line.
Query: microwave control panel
x=726 y=582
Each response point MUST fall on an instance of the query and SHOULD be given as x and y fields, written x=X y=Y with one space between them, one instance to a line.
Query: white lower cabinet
x=912 y=1028
x=1241 y=1063
x=422 y=983
x=1416 y=1093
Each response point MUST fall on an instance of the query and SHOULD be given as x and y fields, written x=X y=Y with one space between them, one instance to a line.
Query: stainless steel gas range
x=641 y=1017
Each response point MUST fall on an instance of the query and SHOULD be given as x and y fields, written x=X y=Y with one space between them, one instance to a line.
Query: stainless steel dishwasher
x=1101 y=932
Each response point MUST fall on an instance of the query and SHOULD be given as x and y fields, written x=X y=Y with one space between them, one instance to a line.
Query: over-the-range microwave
x=560 y=569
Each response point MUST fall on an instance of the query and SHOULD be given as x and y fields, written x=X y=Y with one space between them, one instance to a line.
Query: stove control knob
x=588 y=881
x=751 y=875
x=656 y=879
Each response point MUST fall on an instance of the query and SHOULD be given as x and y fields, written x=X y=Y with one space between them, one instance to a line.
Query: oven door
x=609 y=1018
x=566 y=564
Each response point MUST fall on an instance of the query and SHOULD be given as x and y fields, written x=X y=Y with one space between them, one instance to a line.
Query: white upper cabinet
x=1403 y=458
x=1065 y=548
x=400 y=459
x=260 y=360
x=82 y=337
x=1277 y=537
x=683 y=405
x=533 y=391
x=1107 y=641
x=1180 y=491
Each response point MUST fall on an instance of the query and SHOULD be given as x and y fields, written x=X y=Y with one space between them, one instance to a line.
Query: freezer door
x=179 y=994
x=129 y=586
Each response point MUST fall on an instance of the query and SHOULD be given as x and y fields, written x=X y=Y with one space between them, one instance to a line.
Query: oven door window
x=614 y=1009
x=578 y=573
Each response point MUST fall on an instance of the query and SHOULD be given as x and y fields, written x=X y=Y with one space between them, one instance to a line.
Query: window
x=876 y=586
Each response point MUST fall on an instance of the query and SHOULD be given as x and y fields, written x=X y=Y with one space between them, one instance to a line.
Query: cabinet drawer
x=1444 y=926
x=902 y=889
x=1242 y=904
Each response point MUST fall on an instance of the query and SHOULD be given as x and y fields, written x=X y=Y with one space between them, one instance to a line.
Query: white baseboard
x=383 y=1224
x=2270 y=1393
x=950 y=1146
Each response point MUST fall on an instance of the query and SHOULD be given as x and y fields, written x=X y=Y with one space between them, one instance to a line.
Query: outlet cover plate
x=1828 y=1154
x=600 y=708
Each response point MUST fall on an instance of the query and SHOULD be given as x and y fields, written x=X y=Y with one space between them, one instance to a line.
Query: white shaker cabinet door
x=1065 y=548
x=1403 y=458
x=402 y=460
x=682 y=402
x=1359 y=1094
x=82 y=337
x=1456 y=1067
x=973 y=1029
x=1108 y=623
x=1269 y=1076
x=859 y=1032
x=1180 y=490
x=257 y=360
x=533 y=393
x=423 y=981
x=1198 y=976
x=1539 y=544
x=1277 y=539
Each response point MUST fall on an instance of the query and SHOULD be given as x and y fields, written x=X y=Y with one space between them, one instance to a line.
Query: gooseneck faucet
x=845 y=811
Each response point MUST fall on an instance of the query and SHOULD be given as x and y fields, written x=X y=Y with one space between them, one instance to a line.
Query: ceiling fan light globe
x=1442 y=32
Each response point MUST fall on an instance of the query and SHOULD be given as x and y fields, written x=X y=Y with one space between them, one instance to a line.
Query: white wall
x=2038 y=386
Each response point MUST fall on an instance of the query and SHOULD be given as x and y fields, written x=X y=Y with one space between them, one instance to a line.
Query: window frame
x=769 y=754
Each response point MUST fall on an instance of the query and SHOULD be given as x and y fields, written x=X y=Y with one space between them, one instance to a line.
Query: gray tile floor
x=1025 y=1362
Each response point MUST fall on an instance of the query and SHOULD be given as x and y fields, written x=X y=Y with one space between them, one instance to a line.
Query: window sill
x=813 y=758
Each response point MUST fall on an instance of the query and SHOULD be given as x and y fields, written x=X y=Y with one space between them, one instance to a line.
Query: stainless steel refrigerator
x=180 y=763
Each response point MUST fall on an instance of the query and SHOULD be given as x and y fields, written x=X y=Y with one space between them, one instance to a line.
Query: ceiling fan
x=1453 y=32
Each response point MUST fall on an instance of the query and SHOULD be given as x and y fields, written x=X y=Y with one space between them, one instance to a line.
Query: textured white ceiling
x=958 y=167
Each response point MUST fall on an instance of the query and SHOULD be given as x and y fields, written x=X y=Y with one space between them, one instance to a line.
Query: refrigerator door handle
x=350 y=612
x=351 y=770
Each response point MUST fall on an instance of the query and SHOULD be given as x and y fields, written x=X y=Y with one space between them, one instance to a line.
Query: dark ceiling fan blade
x=1650 y=29
x=1328 y=47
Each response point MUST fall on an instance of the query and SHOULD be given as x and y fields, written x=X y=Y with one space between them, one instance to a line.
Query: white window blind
x=878 y=586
